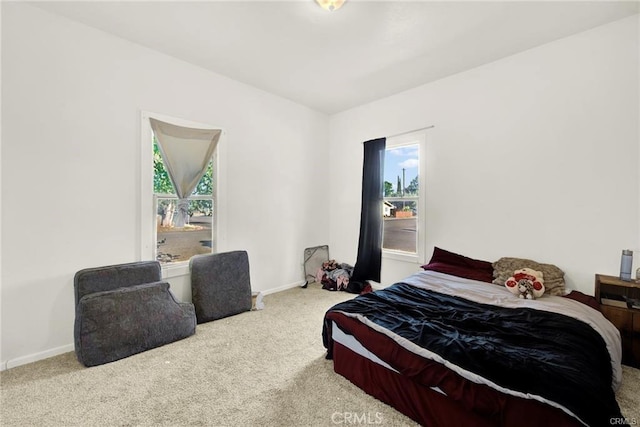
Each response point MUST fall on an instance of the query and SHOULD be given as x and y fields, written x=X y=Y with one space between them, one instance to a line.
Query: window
x=403 y=197
x=179 y=164
x=179 y=242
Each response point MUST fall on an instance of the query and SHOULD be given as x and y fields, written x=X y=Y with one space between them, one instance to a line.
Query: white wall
x=72 y=98
x=535 y=155
x=0 y=199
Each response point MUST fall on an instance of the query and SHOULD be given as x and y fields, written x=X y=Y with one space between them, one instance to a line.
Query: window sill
x=175 y=270
x=401 y=256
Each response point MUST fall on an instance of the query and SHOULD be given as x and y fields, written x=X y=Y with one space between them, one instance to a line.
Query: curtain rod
x=409 y=131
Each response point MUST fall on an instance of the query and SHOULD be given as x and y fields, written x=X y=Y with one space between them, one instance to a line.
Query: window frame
x=418 y=138
x=148 y=214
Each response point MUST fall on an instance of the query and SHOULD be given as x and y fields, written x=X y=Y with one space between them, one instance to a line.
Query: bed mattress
x=361 y=330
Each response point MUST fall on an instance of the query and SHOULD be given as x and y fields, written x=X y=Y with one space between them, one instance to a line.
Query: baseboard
x=4 y=365
x=283 y=288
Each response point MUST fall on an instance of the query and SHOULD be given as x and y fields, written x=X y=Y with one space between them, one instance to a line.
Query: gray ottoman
x=220 y=285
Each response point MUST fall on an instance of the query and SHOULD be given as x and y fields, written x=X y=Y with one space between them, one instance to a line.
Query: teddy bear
x=526 y=283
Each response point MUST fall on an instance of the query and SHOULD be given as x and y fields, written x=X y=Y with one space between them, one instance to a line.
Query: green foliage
x=161 y=181
x=388 y=189
x=203 y=206
x=412 y=188
x=204 y=187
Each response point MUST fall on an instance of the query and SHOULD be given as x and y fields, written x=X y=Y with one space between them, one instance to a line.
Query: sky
x=398 y=158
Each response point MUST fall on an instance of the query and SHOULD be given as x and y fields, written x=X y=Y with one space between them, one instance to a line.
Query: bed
x=447 y=347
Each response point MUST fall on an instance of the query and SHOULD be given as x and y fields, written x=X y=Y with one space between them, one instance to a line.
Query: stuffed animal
x=526 y=283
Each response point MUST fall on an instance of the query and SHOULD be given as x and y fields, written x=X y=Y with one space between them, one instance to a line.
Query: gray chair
x=220 y=285
x=126 y=309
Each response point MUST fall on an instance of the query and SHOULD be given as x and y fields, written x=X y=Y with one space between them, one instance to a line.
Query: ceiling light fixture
x=330 y=5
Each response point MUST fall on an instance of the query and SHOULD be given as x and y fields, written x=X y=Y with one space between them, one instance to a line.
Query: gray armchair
x=126 y=309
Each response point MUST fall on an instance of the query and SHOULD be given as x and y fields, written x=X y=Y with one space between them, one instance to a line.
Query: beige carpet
x=258 y=368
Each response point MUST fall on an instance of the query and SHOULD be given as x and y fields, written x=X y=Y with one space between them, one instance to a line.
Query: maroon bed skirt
x=467 y=403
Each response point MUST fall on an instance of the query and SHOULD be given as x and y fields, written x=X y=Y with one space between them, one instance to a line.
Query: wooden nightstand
x=613 y=295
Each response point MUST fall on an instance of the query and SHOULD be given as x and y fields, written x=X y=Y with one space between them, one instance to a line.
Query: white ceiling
x=332 y=61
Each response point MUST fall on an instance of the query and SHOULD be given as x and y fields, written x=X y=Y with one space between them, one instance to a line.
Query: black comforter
x=551 y=355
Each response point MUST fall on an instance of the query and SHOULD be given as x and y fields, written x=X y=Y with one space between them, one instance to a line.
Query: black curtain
x=370 y=243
